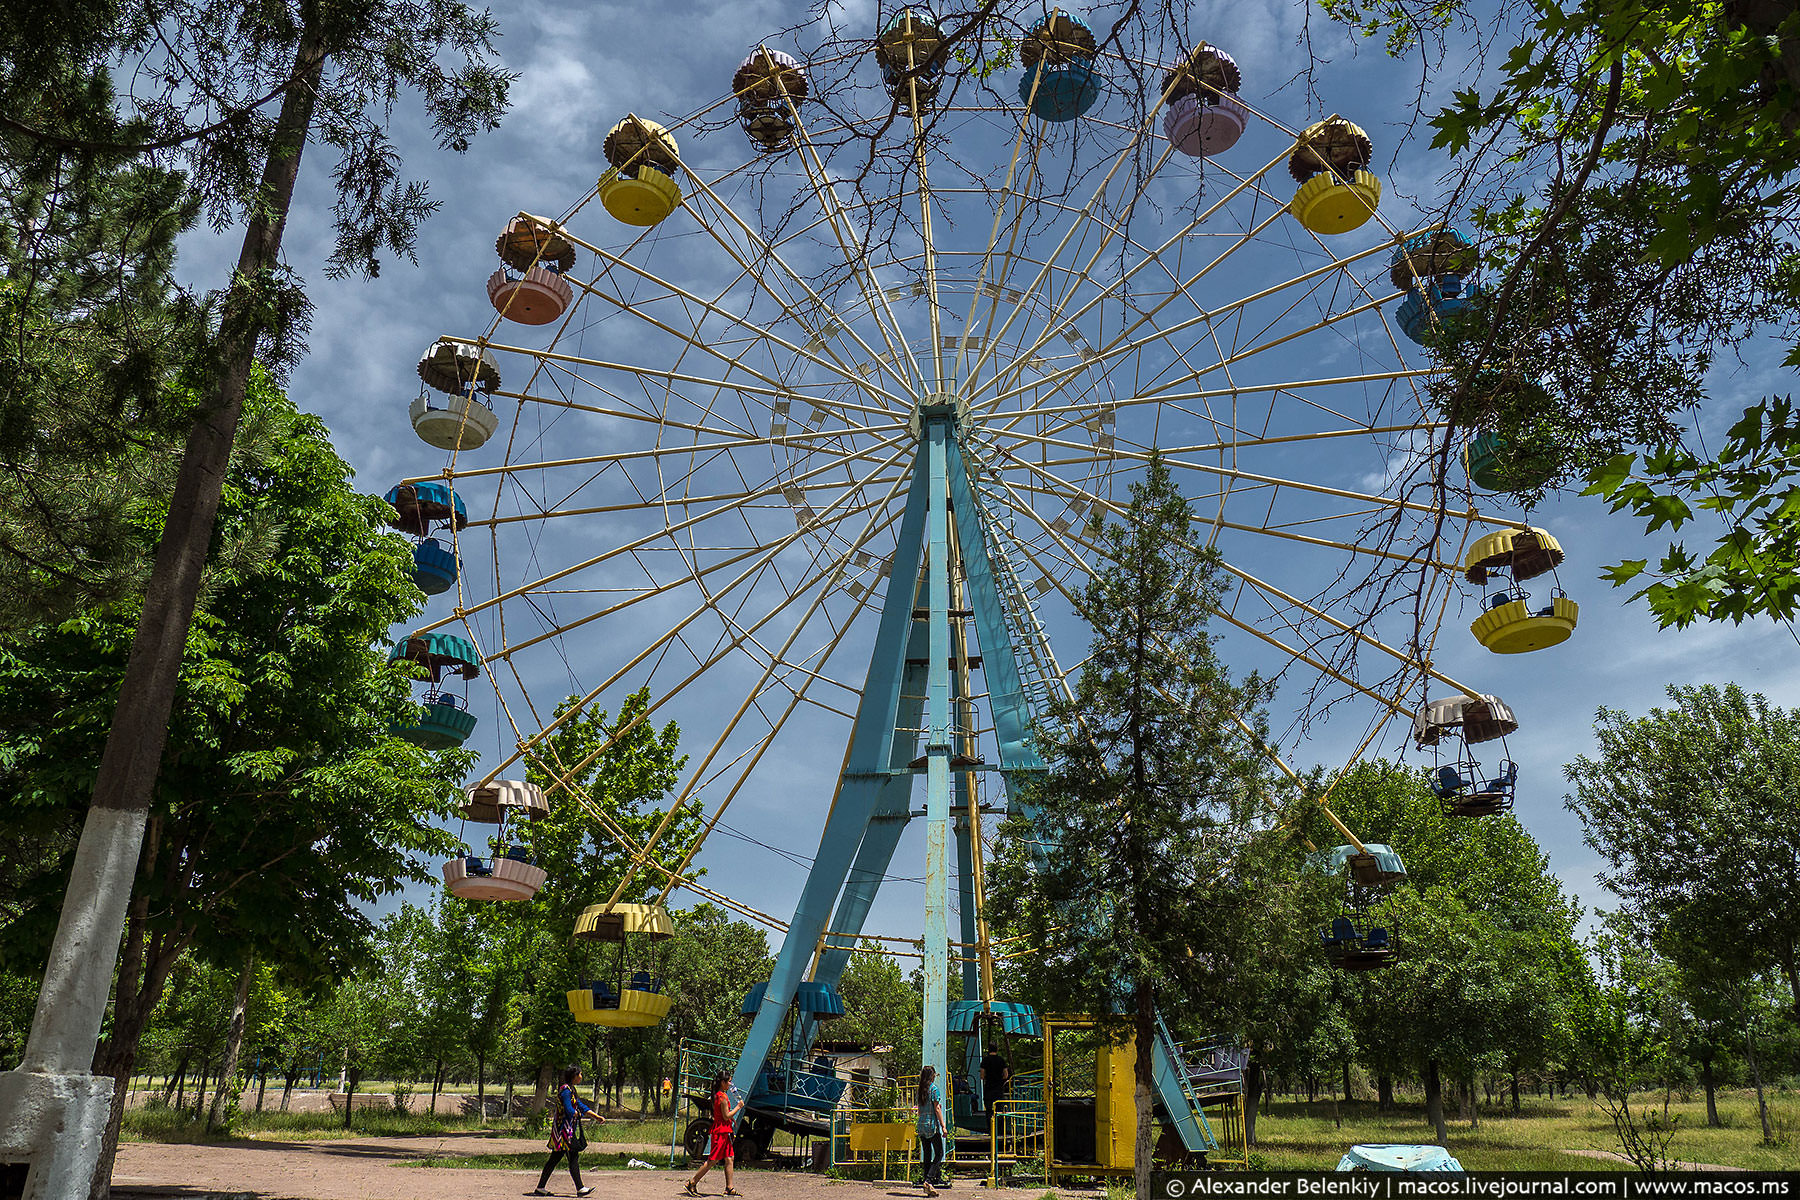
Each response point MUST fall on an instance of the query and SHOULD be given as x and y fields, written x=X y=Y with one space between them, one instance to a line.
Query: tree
x=337 y=70
x=1696 y=811
x=1488 y=971
x=604 y=776
x=290 y=805
x=93 y=330
x=712 y=961
x=1629 y=166
x=1127 y=870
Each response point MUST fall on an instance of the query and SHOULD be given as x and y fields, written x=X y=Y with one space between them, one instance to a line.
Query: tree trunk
x=287 y=1086
x=181 y=1086
x=1515 y=1091
x=99 y=887
x=1789 y=955
x=200 y=1092
x=1471 y=1110
x=1434 y=1102
x=352 y=1077
x=1253 y=1079
x=1144 y=1085
x=1384 y=1093
x=1762 y=1102
x=234 y=1042
x=542 y=1096
x=1346 y=1081
x=1712 y=1092
x=481 y=1086
x=144 y=968
x=173 y=1080
x=437 y=1082
x=262 y=1085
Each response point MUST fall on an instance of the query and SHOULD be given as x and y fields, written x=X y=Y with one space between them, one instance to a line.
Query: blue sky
x=583 y=67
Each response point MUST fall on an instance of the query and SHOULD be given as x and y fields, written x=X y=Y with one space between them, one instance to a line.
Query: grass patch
x=1297 y=1136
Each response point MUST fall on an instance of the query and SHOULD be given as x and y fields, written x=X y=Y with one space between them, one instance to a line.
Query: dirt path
x=369 y=1169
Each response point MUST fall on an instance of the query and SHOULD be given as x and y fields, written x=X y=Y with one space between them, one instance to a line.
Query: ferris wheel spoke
x=553 y=357
x=761 y=746
x=884 y=517
x=833 y=322
x=816 y=578
x=773 y=489
x=875 y=297
x=1056 y=321
x=1124 y=344
x=1059 y=319
x=675 y=450
x=640 y=312
x=982 y=282
x=1225 y=614
x=762 y=554
x=1268 y=590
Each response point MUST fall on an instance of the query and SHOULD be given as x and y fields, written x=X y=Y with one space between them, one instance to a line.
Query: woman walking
x=931 y=1130
x=724 y=1114
x=566 y=1137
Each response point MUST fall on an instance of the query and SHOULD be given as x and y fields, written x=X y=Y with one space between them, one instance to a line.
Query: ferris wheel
x=801 y=416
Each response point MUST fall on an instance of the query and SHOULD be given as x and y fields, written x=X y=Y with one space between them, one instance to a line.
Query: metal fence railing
x=882 y=1132
x=1015 y=1137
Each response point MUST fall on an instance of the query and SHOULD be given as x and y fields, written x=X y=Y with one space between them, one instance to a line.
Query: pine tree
x=1128 y=879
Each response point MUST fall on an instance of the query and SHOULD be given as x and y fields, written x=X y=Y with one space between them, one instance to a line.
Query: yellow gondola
x=639 y=188
x=633 y=997
x=1510 y=625
x=1337 y=191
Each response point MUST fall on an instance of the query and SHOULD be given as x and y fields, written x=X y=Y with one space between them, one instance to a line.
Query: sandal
x=691 y=1189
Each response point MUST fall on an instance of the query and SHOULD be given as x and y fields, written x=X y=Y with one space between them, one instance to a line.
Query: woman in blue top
x=565 y=1132
x=931 y=1129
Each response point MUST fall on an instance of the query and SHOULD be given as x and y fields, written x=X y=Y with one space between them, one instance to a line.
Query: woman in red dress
x=724 y=1115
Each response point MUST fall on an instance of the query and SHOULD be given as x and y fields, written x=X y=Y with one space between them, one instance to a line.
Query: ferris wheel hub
x=950 y=405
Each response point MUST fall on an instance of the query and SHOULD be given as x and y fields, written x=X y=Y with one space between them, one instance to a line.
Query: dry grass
x=1301 y=1136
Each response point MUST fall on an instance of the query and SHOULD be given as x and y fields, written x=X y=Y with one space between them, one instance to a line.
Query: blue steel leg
x=934 y=1051
x=892 y=812
x=971 y=969
x=871 y=740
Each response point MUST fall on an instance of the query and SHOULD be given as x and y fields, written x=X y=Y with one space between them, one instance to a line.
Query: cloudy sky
x=583 y=67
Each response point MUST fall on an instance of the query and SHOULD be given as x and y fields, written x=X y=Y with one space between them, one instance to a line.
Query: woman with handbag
x=566 y=1136
x=719 y=1149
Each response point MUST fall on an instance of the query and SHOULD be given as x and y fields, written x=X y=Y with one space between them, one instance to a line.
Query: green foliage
x=620 y=768
x=1696 y=811
x=882 y=1008
x=1125 y=876
x=90 y=337
x=1751 y=485
x=712 y=962
x=285 y=806
x=1632 y=167
x=1125 y=871
x=1488 y=975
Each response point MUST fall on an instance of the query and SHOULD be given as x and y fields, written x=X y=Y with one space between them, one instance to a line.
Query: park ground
x=298 y=1156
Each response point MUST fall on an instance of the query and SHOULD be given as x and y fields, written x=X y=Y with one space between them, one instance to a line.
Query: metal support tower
x=913 y=719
